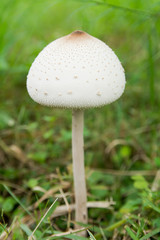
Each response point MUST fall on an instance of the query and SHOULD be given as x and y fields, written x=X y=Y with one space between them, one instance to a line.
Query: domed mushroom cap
x=76 y=71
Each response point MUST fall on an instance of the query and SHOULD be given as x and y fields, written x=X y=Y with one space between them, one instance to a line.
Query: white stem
x=78 y=167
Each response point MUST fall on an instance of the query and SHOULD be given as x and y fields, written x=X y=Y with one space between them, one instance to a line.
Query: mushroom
x=76 y=71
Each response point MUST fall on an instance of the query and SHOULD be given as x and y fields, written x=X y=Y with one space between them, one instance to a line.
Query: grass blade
x=152 y=233
x=91 y=235
x=26 y=229
x=45 y=215
x=151 y=205
x=131 y=234
x=16 y=199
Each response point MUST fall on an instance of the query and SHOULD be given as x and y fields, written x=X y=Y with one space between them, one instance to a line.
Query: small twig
x=14 y=151
x=68 y=232
x=47 y=195
x=62 y=210
x=127 y=173
x=156 y=180
x=68 y=208
x=140 y=152
x=66 y=194
x=114 y=143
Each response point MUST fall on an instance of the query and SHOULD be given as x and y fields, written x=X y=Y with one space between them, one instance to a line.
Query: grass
x=122 y=140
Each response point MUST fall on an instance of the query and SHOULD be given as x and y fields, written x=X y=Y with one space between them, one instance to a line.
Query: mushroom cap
x=76 y=71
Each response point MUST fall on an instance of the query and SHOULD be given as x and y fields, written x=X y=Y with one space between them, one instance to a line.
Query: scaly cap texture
x=76 y=71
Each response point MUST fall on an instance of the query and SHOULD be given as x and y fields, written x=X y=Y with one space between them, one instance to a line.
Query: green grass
x=122 y=140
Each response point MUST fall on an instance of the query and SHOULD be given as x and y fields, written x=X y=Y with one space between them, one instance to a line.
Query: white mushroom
x=77 y=71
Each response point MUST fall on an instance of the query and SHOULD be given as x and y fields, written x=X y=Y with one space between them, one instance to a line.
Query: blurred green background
x=35 y=141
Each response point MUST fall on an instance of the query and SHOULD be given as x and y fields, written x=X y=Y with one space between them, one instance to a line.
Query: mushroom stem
x=78 y=167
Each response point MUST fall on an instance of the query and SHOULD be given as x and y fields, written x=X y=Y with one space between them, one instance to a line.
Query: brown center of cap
x=78 y=32
x=77 y=35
